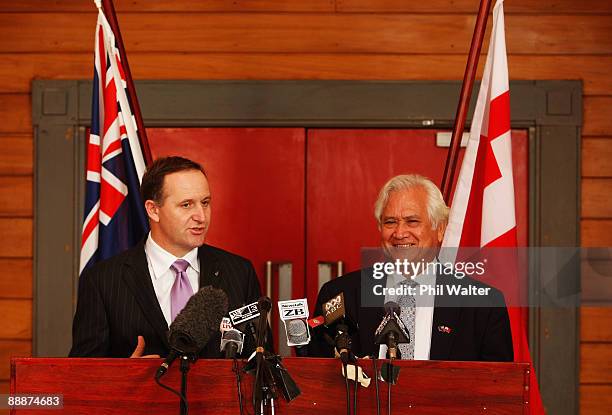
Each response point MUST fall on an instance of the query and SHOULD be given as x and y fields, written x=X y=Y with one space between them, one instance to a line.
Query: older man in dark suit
x=412 y=217
x=126 y=304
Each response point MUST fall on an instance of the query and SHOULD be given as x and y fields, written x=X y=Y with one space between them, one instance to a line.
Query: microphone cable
x=348 y=389
x=177 y=393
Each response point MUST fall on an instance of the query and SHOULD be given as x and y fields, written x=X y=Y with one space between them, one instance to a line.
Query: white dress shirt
x=424 y=311
x=159 y=261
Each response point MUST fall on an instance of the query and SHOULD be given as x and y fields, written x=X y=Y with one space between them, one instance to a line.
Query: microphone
x=343 y=343
x=294 y=315
x=297 y=332
x=232 y=340
x=245 y=319
x=264 y=305
x=194 y=325
x=333 y=310
x=334 y=314
x=391 y=331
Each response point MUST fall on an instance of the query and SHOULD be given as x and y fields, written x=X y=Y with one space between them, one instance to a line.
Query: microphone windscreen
x=200 y=319
x=297 y=332
x=233 y=335
x=264 y=304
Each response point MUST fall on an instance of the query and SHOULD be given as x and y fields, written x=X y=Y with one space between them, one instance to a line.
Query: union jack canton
x=115 y=219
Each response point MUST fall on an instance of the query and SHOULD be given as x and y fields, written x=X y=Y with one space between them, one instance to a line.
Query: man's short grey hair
x=436 y=208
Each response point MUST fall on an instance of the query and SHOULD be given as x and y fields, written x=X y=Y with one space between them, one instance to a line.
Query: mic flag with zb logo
x=115 y=218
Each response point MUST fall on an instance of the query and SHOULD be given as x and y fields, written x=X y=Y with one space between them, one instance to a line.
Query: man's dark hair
x=152 y=186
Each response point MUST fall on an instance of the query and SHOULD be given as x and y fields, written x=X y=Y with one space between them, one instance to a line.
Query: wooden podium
x=126 y=386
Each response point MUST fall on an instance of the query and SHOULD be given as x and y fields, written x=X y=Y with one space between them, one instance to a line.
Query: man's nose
x=401 y=230
x=199 y=214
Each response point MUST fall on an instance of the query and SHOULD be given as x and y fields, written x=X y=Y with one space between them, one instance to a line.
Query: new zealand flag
x=115 y=218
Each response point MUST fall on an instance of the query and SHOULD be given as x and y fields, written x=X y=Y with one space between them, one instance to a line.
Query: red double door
x=299 y=202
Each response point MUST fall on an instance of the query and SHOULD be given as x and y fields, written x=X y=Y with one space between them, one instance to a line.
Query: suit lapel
x=445 y=318
x=210 y=270
x=139 y=282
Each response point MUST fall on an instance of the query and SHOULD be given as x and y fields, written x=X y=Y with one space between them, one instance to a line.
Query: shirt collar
x=161 y=260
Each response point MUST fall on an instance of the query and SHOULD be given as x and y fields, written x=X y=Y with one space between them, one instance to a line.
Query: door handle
x=284 y=291
x=326 y=269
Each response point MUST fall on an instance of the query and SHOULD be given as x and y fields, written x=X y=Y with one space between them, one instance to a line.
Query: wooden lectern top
x=126 y=386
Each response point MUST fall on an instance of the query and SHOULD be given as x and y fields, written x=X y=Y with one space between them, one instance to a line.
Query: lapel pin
x=445 y=329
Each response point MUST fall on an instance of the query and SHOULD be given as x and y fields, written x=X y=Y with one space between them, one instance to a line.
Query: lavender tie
x=181 y=290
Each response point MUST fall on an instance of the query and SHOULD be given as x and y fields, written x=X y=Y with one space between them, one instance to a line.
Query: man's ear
x=441 y=230
x=152 y=210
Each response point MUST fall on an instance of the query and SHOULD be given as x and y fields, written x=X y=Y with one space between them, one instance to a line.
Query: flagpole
x=464 y=98
x=109 y=11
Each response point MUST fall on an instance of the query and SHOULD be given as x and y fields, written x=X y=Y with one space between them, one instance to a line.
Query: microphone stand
x=238 y=386
x=184 y=369
x=264 y=387
x=389 y=378
x=375 y=364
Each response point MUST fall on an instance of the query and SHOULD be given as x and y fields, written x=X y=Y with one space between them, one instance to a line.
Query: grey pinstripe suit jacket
x=117 y=302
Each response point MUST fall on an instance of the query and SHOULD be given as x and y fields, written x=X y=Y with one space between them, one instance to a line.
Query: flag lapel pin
x=445 y=329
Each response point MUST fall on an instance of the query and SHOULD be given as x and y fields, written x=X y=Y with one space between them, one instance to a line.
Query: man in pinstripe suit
x=126 y=304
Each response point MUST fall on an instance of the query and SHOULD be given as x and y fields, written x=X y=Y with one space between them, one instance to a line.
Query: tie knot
x=180 y=265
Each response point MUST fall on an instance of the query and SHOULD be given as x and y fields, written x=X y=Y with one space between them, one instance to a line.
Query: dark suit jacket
x=479 y=332
x=117 y=302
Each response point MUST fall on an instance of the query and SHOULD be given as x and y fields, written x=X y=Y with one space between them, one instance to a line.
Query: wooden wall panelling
x=596 y=363
x=596 y=232
x=342 y=6
x=597 y=116
x=15 y=278
x=593 y=70
x=311 y=33
x=15 y=113
x=12 y=348
x=17 y=155
x=16 y=241
x=17 y=319
x=471 y=6
x=174 y=5
x=597 y=157
x=596 y=324
x=596 y=194
x=16 y=196
x=595 y=399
